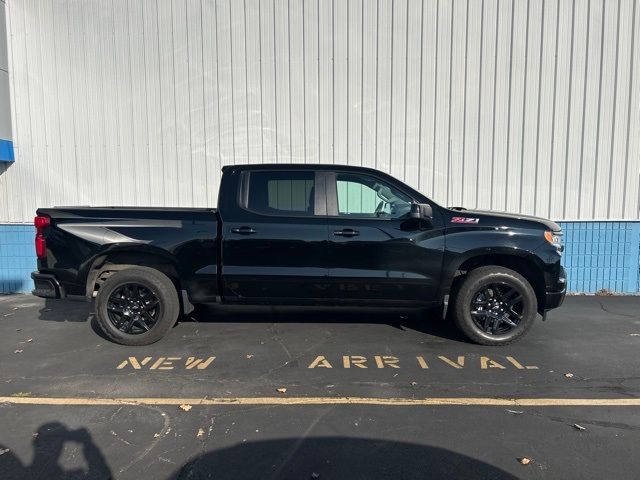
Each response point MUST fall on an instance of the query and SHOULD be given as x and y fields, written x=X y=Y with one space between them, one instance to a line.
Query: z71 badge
x=464 y=220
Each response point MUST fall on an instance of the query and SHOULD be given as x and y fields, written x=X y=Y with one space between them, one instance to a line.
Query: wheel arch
x=522 y=262
x=118 y=259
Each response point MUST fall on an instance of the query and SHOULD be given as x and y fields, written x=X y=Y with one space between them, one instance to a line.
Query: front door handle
x=347 y=232
x=243 y=230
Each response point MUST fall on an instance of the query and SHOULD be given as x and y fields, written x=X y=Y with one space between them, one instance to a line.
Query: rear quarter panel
x=80 y=238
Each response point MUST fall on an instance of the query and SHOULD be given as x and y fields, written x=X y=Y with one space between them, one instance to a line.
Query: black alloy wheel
x=133 y=308
x=493 y=305
x=497 y=308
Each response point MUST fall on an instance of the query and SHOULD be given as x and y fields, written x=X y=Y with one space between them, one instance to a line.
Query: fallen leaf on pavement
x=156 y=435
x=29 y=340
x=200 y=433
x=413 y=384
x=524 y=460
x=315 y=475
x=578 y=427
x=18 y=351
x=185 y=407
x=281 y=390
x=568 y=375
x=249 y=356
x=515 y=412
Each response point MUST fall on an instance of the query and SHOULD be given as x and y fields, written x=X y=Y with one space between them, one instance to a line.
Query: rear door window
x=279 y=192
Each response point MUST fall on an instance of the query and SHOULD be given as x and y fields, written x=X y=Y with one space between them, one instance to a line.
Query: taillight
x=41 y=222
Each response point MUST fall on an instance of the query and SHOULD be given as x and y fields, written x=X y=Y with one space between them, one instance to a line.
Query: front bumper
x=46 y=286
x=555 y=296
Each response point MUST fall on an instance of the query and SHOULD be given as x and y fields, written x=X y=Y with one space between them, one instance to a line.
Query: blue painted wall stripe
x=17 y=258
x=6 y=151
x=598 y=255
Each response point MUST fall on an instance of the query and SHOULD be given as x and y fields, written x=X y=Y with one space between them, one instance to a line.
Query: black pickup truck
x=302 y=234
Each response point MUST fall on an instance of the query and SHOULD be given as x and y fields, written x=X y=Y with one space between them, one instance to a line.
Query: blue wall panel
x=598 y=255
x=17 y=258
x=602 y=255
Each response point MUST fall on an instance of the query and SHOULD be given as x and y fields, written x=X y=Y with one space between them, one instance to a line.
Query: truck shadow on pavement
x=427 y=321
x=324 y=458
x=336 y=458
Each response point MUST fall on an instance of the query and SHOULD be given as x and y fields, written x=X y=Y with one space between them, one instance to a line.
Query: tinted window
x=364 y=196
x=282 y=192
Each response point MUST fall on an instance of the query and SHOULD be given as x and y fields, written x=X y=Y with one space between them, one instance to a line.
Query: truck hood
x=498 y=218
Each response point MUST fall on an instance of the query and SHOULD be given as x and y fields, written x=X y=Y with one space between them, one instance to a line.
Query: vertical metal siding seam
x=289 y=82
x=631 y=66
x=318 y=79
x=55 y=67
x=597 y=156
x=333 y=85
x=190 y=120
x=464 y=99
x=304 y=87
x=422 y=7
x=28 y=98
x=215 y=23
x=43 y=106
x=13 y=102
x=348 y=63
x=613 y=116
x=175 y=110
x=391 y=91
x=361 y=82
x=584 y=101
x=146 y=102
x=448 y=201
x=566 y=156
x=553 y=109
x=406 y=94
x=506 y=189
x=524 y=107
x=162 y=152
x=261 y=100
x=73 y=112
x=493 y=114
x=435 y=99
x=131 y=103
x=377 y=62
x=537 y=157
x=246 y=76
x=479 y=119
x=204 y=101
x=233 y=108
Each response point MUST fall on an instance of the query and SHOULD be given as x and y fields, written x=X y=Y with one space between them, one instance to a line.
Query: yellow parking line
x=480 y=401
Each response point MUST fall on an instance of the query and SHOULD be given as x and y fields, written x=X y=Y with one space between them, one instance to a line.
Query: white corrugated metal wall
x=520 y=105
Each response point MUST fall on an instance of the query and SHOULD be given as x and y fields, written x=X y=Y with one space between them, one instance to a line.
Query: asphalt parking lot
x=369 y=394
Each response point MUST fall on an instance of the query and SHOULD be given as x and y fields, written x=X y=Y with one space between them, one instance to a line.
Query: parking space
x=320 y=393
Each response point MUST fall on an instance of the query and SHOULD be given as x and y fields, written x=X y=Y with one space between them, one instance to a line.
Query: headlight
x=555 y=239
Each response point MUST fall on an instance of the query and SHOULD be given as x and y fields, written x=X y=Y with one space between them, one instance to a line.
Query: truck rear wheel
x=137 y=306
x=494 y=306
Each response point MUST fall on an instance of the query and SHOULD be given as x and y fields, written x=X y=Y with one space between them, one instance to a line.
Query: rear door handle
x=243 y=230
x=347 y=232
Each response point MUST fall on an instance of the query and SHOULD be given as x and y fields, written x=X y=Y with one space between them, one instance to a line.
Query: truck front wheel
x=137 y=306
x=494 y=305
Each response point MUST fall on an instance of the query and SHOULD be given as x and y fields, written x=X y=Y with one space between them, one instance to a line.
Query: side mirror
x=421 y=211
